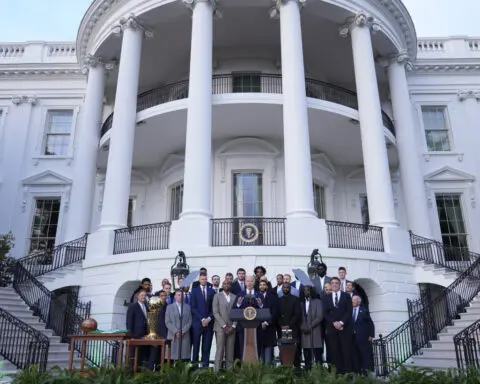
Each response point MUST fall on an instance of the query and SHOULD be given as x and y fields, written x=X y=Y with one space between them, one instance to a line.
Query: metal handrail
x=269 y=83
x=355 y=236
x=467 y=343
x=141 y=238
x=427 y=319
x=21 y=344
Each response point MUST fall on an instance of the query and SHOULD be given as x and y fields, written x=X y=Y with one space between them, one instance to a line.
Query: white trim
x=47 y=178
x=3 y=117
x=448 y=106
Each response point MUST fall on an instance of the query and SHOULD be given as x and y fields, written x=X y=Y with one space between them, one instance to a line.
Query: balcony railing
x=149 y=237
x=256 y=83
x=354 y=236
x=248 y=231
x=467 y=347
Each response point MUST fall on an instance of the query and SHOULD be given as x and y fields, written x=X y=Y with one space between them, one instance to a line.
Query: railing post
x=383 y=356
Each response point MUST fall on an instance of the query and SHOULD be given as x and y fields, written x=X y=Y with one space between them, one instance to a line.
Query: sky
x=58 y=20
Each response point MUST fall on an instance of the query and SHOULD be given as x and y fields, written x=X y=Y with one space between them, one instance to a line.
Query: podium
x=250 y=318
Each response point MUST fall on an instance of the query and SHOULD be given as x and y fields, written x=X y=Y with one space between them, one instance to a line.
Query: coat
x=201 y=309
x=268 y=337
x=343 y=312
x=312 y=320
x=221 y=311
x=172 y=321
x=136 y=320
x=290 y=313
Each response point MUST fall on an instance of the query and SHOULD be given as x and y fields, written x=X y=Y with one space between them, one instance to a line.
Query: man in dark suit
x=203 y=272
x=266 y=332
x=137 y=324
x=364 y=332
x=202 y=320
x=260 y=273
x=337 y=310
x=278 y=288
x=146 y=285
x=239 y=284
x=342 y=276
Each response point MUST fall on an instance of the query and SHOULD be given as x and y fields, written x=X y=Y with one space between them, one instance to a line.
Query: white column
x=198 y=146
x=117 y=182
x=410 y=169
x=87 y=139
x=375 y=159
x=296 y=139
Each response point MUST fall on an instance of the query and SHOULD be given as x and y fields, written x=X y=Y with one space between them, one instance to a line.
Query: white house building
x=243 y=133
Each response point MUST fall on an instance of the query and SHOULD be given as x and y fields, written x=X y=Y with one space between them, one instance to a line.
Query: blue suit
x=362 y=349
x=202 y=309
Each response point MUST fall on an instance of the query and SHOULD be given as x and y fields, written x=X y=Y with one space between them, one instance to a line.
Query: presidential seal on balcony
x=249 y=233
x=152 y=318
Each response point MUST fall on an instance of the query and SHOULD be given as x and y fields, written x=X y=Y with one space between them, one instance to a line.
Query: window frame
x=170 y=199
x=32 y=216
x=244 y=74
x=232 y=187
x=362 y=196
x=448 y=126
x=133 y=220
x=324 y=199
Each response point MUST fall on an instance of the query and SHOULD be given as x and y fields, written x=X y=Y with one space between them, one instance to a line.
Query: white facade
x=278 y=108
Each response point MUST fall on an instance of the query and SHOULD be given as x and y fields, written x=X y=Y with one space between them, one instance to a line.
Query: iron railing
x=149 y=237
x=434 y=252
x=260 y=83
x=426 y=319
x=467 y=347
x=99 y=353
x=52 y=259
x=22 y=344
x=354 y=236
x=248 y=231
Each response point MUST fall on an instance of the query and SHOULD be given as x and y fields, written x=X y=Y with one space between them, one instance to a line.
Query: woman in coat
x=172 y=321
x=311 y=327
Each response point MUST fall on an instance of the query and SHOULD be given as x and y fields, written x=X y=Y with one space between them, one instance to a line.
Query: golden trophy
x=152 y=318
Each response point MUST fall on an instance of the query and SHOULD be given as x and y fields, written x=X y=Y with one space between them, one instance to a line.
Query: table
x=120 y=337
x=135 y=343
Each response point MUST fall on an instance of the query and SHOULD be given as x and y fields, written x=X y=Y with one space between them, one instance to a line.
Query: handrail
x=141 y=238
x=467 y=344
x=21 y=344
x=52 y=259
x=427 y=319
x=355 y=236
x=269 y=83
x=435 y=252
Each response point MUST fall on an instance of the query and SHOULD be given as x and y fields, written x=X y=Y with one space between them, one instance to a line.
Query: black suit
x=290 y=315
x=267 y=338
x=236 y=288
x=138 y=328
x=339 y=343
x=362 y=349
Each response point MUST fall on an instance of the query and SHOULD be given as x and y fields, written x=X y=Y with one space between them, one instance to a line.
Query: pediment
x=248 y=146
x=173 y=162
x=47 y=178
x=321 y=160
x=449 y=174
x=137 y=177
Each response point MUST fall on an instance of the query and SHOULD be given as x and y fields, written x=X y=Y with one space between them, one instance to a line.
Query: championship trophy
x=152 y=318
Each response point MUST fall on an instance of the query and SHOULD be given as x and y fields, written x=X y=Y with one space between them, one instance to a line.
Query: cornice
x=39 y=72
x=446 y=67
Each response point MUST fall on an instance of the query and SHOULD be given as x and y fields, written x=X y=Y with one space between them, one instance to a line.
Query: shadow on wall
x=369 y=291
x=121 y=302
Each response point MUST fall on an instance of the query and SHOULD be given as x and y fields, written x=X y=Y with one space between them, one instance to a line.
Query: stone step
x=439 y=352
x=469 y=316
x=55 y=346
x=12 y=307
x=10 y=298
x=443 y=336
x=442 y=344
x=53 y=339
x=453 y=329
x=433 y=362
x=463 y=323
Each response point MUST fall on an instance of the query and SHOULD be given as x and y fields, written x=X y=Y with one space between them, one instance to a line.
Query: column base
x=397 y=241
x=190 y=231
x=110 y=227
x=310 y=232
x=99 y=245
x=386 y=224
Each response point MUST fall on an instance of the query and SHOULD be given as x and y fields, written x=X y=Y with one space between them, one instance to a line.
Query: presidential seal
x=250 y=313
x=249 y=233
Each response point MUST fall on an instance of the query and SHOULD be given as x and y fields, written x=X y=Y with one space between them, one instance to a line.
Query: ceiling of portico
x=245 y=32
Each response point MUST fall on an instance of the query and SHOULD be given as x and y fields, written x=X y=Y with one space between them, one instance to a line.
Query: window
x=44 y=224
x=176 y=201
x=452 y=225
x=319 y=200
x=247 y=194
x=58 y=129
x=250 y=82
x=364 y=210
x=436 y=128
x=131 y=211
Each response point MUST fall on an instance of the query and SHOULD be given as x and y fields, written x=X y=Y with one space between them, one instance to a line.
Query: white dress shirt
x=227 y=297
x=336 y=294
x=144 y=309
x=307 y=305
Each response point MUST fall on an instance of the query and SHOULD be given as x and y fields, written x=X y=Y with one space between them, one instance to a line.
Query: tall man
x=202 y=320
x=311 y=327
x=289 y=315
x=342 y=276
x=278 y=288
x=137 y=323
x=266 y=333
x=239 y=285
x=224 y=328
x=364 y=332
x=175 y=332
x=322 y=278
x=337 y=309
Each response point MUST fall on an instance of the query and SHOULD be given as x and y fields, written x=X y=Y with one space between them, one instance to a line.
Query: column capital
x=214 y=3
x=361 y=19
x=464 y=95
x=92 y=61
x=132 y=22
x=402 y=58
x=21 y=99
x=275 y=10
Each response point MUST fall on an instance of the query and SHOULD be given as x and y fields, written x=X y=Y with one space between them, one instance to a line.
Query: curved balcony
x=249 y=83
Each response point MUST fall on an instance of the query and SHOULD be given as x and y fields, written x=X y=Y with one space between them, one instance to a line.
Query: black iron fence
x=60 y=256
x=354 y=236
x=434 y=252
x=99 y=353
x=426 y=319
x=248 y=83
x=21 y=344
x=467 y=347
x=149 y=237
x=248 y=231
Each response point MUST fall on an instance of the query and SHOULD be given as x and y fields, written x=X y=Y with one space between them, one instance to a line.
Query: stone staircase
x=69 y=275
x=441 y=355
x=434 y=274
x=58 y=354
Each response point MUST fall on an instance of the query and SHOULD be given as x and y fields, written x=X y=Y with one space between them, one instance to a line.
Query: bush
x=7 y=264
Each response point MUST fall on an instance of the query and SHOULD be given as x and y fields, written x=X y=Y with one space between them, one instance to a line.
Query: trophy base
x=151 y=336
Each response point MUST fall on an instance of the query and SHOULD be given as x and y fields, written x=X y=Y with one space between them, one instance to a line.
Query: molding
x=137 y=177
x=440 y=67
x=17 y=100
x=250 y=146
x=47 y=178
x=449 y=174
x=322 y=161
x=428 y=155
x=464 y=95
x=361 y=19
x=358 y=174
x=132 y=22
x=173 y=162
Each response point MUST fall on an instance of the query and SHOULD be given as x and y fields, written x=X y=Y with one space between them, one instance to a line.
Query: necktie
x=336 y=299
x=243 y=287
x=204 y=295
x=354 y=314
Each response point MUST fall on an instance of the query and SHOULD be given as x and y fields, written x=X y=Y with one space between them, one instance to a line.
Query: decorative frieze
x=362 y=20
x=20 y=99
x=131 y=22
x=472 y=94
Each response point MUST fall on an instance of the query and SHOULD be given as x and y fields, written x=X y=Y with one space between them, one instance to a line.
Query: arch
x=372 y=291
x=248 y=146
x=121 y=302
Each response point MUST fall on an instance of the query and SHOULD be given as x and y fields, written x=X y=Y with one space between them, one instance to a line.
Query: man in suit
x=278 y=288
x=239 y=284
x=311 y=327
x=364 y=332
x=175 y=332
x=203 y=272
x=137 y=324
x=337 y=310
x=287 y=278
x=224 y=328
x=290 y=314
x=322 y=279
x=342 y=276
x=145 y=285
x=266 y=332
x=167 y=288
x=216 y=283
x=260 y=273
x=202 y=320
